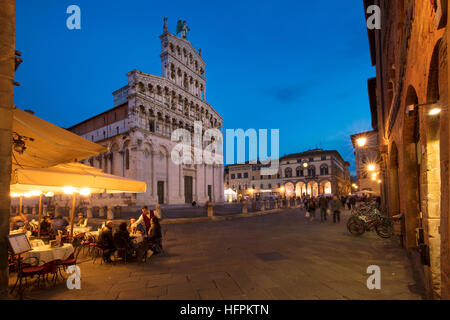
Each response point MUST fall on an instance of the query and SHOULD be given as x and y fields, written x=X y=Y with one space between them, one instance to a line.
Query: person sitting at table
x=82 y=221
x=155 y=236
x=122 y=239
x=59 y=224
x=46 y=226
x=137 y=228
x=106 y=242
x=17 y=222
x=145 y=218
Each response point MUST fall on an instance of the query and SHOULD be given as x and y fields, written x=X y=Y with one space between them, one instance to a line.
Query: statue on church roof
x=183 y=29
x=165 y=29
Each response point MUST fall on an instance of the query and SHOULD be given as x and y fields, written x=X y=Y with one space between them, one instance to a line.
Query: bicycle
x=383 y=226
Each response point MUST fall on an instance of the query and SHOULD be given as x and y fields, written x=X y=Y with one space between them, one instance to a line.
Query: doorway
x=160 y=192
x=188 y=182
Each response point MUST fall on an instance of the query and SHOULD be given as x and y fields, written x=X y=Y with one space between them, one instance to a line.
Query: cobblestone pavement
x=276 y=256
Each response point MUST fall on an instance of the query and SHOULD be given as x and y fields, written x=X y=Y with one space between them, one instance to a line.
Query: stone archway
x=411 y=165
x=325 y=187
x=289 y=190
x=394 y=190
x=300 y=189
x=313 y=189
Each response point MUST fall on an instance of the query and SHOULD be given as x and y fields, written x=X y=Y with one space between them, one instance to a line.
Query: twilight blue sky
x=297 y=66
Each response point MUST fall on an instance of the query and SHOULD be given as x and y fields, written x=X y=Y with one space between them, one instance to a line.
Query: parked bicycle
x=359 y=223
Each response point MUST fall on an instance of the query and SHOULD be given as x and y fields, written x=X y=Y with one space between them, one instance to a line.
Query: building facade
x=138 y=129
x=310 y=173
x=409 y=104
x=367 y=162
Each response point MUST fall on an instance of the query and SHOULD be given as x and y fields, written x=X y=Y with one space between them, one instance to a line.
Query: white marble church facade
x=137 y=131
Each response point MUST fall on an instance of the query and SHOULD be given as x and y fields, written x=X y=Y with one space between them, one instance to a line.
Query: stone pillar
x=158 y=211
x=109 y=213
x=33 y=210
x=244 y=207
x=267 y=204
x=275 y=204
x=44 y=210
x=210 y=210
x=262 y=205
x=288 y=202
x=101 y=212
x=56 y=210
x=89 y=212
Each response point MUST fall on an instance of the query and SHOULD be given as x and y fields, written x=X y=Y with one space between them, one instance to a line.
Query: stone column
x=275 y=204
x=109 y=213
x=244 y=207
x=56 y=210
x=263 y=205
x=89 y=213
x=158 y=212
x=33 y=210
x=267 y=204
x=288 y=202
x=210 y=210
x=44 y=210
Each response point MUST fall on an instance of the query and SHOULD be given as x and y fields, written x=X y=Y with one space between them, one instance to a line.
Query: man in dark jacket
x=106 y=241
x=336 y=206
x=59 y=224
x=323 y=204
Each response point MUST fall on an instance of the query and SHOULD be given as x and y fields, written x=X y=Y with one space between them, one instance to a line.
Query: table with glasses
x=46 y=253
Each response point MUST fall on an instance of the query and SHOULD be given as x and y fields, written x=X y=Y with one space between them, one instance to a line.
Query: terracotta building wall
x=412 y=67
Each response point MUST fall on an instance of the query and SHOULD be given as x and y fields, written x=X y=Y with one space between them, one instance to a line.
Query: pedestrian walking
x=323 y=204
x=336 y=206
x=312 y=208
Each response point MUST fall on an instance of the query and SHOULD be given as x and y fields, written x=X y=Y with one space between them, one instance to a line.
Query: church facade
x=137 y=131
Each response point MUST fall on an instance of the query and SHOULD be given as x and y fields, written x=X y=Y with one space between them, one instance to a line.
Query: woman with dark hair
x=122 y=239
x=155 y=236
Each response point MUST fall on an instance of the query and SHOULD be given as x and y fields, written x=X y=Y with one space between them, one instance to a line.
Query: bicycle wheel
x=384 y=229
x=355 y=226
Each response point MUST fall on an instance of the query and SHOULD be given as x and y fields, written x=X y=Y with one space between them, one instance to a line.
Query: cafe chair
x=28 y=270
x=63 y=264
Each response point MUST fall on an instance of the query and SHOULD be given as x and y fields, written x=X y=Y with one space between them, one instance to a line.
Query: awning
x=50 y=144
x=55 y=179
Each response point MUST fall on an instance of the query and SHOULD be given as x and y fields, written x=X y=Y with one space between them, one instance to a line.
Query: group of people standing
x=334 y=204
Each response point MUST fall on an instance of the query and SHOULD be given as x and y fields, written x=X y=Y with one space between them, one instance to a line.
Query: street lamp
x=361 y=141
x=434 y=111
x=371 y=167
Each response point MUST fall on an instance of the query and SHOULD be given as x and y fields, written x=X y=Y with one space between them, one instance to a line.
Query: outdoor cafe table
x=47 y=254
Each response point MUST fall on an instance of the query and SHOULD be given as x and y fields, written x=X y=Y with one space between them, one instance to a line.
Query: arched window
x=288 y=173
x=312 y=171
x=299 y=172
x=324 y=170
x=127 y=159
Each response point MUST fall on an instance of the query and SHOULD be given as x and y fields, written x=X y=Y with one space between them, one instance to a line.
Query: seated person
x=123 y=240
x=46 y=225
x=82 y=221
x=155 y=236
x=137 y=228
x=106 y=242
x=17 y=222
x=59 y=224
